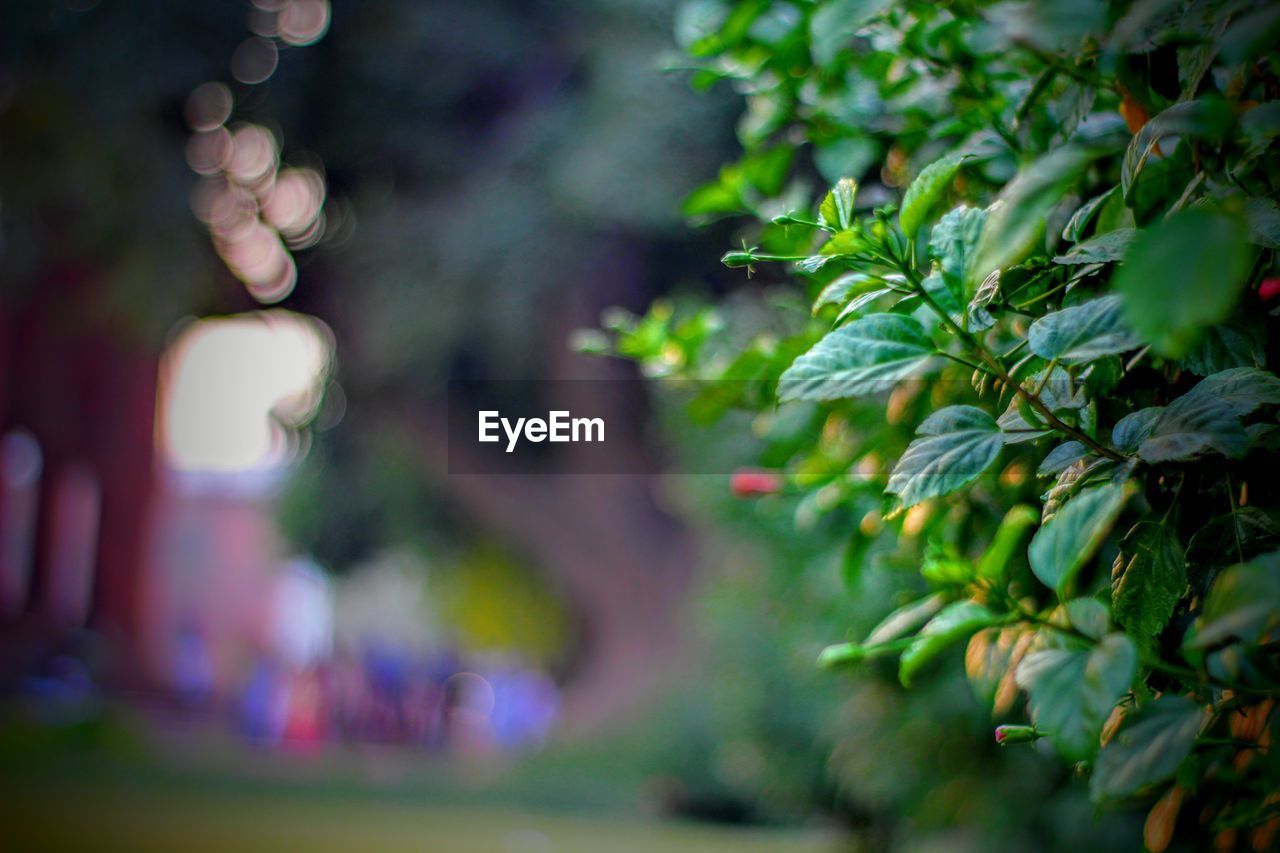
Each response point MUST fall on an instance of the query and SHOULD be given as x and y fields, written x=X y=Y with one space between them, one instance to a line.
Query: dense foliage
x=1038 y=362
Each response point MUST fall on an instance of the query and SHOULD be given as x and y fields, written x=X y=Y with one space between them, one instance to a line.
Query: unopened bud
x=737 y=259
x=748 y=483
x=1269 y=289
x=1006 y=735
x=841 y=654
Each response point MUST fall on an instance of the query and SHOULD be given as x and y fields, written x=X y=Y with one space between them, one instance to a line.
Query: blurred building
x=77 y=416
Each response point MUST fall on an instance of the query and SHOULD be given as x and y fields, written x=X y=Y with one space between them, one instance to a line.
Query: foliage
x=1068 y=306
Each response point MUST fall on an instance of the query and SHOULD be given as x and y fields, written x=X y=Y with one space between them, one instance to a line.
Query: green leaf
x=1261 y=125
x=1241 y=604
x=698 y=20
x=956 y=622
x=1062 y=457
x=837 y=208
x=906 y=619
x=1015 y=426
x=1052 y=25
x=1131 y=430
x=766 y=169
x=994 y=564
x=1205 y=118
x=717 y=198
x=834 y=23
x=944 y=566
x=1147 y=580
x=1263 y=216
x=1252 y=34
x=1114 y=214
x=1235 y=343
x=941 y=291
x=845 y=156
x=1083 y=332
x=1234 y=537
x=956 y=445
x=1149 y=748
x=925 y=190
x=1102 y=249
x=1089 y=616
x=1073 y=690
x=1184 y=275
x=1016 y=222
x=1070 y=539
x=848 y=654
x=1194 y=424
x=952 y=243
x=811 y=264
x=859 y=302
x=1080 y=220
x=862 y=357
x=844 y=288
x=848 y=242
x=1241 y=389
x=954 y=239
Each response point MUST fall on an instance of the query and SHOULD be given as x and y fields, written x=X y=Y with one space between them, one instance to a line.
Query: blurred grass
x=111 y=782
x=74 y=816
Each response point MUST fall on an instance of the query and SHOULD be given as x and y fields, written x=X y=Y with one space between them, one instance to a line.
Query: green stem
x=1044 y=380
x=1188 y=675
x=1231 y=741
x=1043 y=80
x=791 y=219
x=958 y=360
x=779 y=258
x=1231 y=502
x=1137 y=357
x=1033 y=300
x=998 y=370
x=1185 y=673
x=1022 y=343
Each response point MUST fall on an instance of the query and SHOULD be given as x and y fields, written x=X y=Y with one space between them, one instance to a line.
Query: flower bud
x=747 y=483
x=841 y=654
x=1269 y=289
x=1006 y=735
x=737 y=259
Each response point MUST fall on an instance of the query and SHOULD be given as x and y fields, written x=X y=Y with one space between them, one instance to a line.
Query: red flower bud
x=1269 y=289
x=1016 y=734
x=747 y=483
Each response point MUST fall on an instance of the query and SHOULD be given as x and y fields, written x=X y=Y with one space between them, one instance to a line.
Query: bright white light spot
x=234 y=389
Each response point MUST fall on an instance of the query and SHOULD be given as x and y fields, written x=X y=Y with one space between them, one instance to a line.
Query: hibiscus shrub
x=1043 y=291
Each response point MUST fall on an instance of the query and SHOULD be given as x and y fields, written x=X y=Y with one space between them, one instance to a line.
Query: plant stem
x=1231 y=502
x=998 y=369
x=1033 y=300
x=958 y=360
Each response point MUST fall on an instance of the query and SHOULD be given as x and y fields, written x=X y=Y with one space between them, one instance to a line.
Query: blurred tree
x=497 y=172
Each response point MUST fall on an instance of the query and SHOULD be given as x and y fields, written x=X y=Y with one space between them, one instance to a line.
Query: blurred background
x=244 y=248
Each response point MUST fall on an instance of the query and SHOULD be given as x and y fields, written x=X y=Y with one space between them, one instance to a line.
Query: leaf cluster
x=1042 y=283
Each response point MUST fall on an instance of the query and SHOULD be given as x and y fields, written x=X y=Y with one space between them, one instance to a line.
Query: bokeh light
x=253 y=154
x=234 y=387
x=209 y=106
x=294 y=202
x=209 y=151
x=254 y=60
x=303 y=22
